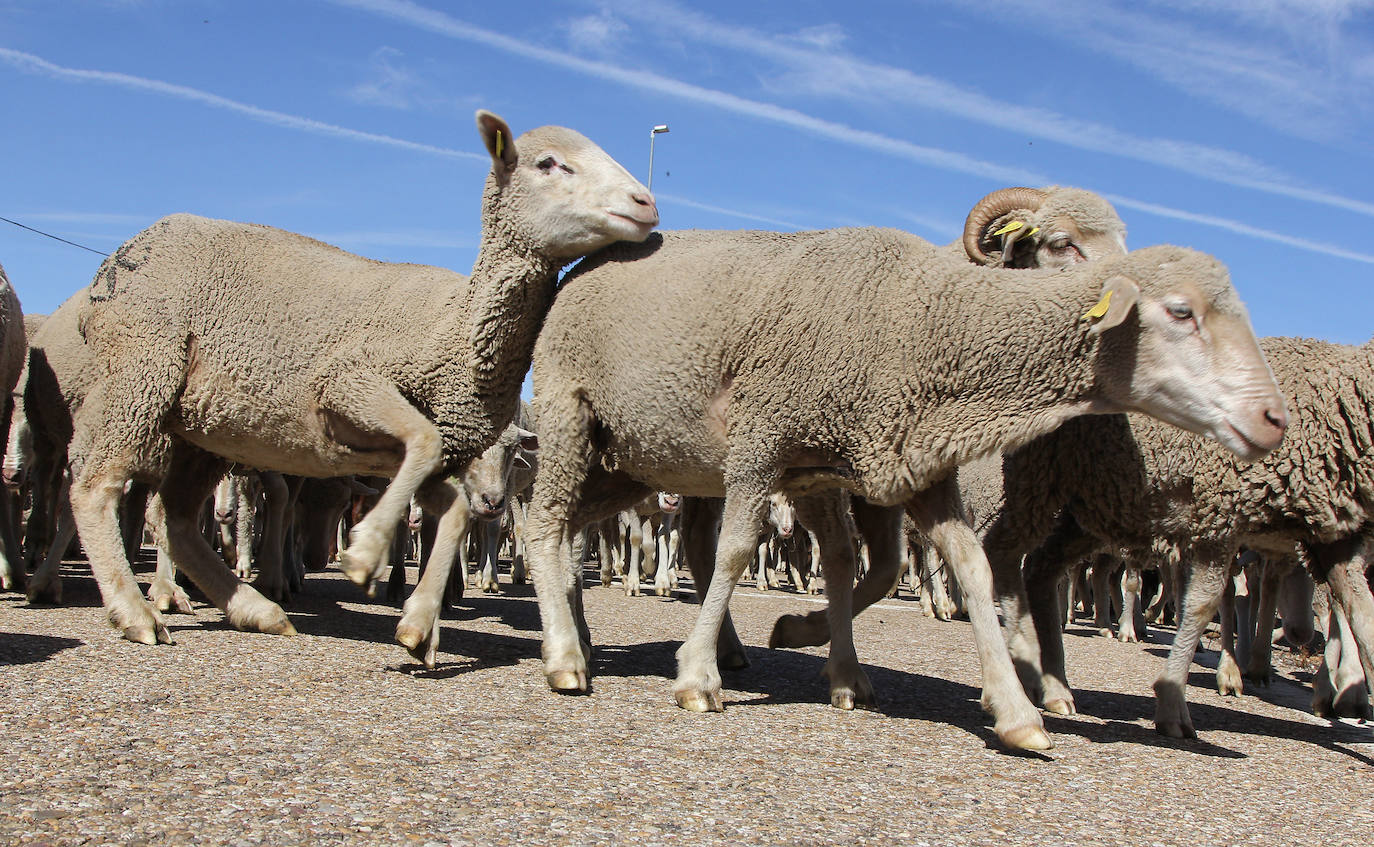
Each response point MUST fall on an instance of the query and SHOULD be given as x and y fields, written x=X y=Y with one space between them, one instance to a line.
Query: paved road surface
x=336 y=737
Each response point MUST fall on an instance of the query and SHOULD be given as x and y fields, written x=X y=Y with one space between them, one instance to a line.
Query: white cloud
x=30 y=63
x=598 y=35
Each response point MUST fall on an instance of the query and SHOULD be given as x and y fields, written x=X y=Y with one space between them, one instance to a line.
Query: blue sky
x=1240 y=128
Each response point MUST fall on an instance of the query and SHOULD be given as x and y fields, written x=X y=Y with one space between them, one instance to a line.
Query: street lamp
x=653 y=133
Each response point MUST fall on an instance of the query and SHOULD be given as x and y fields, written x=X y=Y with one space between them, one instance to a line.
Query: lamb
x=862 y=359
x=225 y=342
x=1124 y=481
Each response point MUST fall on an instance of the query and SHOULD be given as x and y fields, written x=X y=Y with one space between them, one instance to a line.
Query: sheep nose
x=493 y=504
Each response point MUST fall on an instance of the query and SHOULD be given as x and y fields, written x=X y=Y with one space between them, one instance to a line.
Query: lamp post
x=653 y=133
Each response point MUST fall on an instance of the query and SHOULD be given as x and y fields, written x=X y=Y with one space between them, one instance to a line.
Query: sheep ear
x=500 y=143
x=1119 y=297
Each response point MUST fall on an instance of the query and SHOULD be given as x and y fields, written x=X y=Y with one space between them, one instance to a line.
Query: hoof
x=732 y=661
x=282 y=627
x=410 y=636
x=1174 y=729
x=1025 y=738
x=145 y=634
x=699 y=701
x=797 y=631
x=355 y=568
x=567 y=682
x=1060 y=707
x=45 y=595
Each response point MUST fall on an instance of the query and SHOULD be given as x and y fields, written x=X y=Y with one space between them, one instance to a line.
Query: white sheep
x=864 y=359
x=1125 y=481
x=12 y=357
x=225 y=342
x=1052 y=227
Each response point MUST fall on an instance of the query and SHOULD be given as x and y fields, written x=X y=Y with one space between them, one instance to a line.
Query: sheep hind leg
x=698 y=684
x=1206 y=582
x=827 y=517
x=700 y=522
x=939 y=513
x=190 y=478
x=1259 y=658
x=1228 y=670
x=1345 y=564
x=273 y=580
x=881 y=527
x=163 y=592
x=1045 y=673
x=1131 y=618
x=45 y=585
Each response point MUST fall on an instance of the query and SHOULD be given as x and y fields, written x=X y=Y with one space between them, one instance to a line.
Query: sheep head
x=1052 y=227
x=1176 y=343
x=559 y=194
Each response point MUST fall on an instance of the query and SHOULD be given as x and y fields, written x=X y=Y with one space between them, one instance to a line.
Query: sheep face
x=1177 y=344
x=568 y=195
x=487 y=479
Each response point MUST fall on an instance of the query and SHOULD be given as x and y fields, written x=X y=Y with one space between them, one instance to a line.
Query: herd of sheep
x=832 y=382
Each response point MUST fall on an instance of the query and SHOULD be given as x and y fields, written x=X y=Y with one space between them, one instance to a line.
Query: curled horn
x=989 y=209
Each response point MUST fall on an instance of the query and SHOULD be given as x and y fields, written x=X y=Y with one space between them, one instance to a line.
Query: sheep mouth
x=1251 y=449
x=643 y=221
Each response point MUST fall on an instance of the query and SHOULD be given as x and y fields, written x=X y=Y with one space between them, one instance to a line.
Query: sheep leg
x=489 y=549
x=190 y=478
x=100 y=469
x=698 y=684
x=418 y=629
x=700 y=527
x=1259 y=658
x=1058 y=557
x=940 y=602
x=273 y=579
x=1207 y=580
x=568 y=495
x=1130 y=605
x=1102 y=602
x=826 y=516
x=1345 y=563
x=163 y=591
x=939 y=513
x=1228 y=670
x=45 y=586
x=665 y=580
x=242 y=541
x=881 y=527
x=518 y=574
x=1338 y=688
x=382 y=409
x=635 y=535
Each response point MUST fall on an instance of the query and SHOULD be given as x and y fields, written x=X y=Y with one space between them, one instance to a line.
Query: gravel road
x=336 y=737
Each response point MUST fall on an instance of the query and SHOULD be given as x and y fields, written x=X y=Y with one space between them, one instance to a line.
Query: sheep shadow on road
x=21 y=648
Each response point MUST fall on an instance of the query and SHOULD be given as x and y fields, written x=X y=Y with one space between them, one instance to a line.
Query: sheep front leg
x=1207 y=580
x=273 y=579
x=190 y=478
x=381 y=409
x=698 y=684
x=939 y=514
x=488 y=554
x=1228 y=670
x=418 y=629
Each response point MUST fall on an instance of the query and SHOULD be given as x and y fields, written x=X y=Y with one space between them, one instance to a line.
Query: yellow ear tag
x=1100 y=309
x=1033 y=231
x=500 y=143
x=1011 y=227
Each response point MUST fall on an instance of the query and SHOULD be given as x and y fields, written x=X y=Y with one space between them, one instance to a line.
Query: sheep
x=1052 y=227
x=863 y=359
x=1125 y=481
x=1017 y=227
x=12 y=356
x=223 y=342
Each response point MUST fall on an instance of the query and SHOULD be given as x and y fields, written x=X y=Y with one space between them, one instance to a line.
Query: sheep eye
x=1180 y=311
x=1059 y=244
x=546 y=164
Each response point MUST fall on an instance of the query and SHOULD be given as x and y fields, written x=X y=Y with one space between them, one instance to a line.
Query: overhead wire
x=54 y=237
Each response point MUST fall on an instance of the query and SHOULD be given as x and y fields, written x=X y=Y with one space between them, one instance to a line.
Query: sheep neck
x=510 y=293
